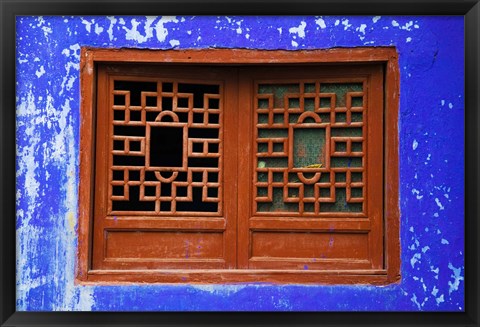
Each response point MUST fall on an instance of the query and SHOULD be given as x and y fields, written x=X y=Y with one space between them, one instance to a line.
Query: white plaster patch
x=239 y=28
x=320 y=22
x=337 y=22
x=440 y=299
x=456 y=276
x=223 y=289
x=40 y=72
x=444 y=241
x=295 y=44
x=300 y=30
x=395 y=23
x=407 y=26
x=346 y=24
x=435 y=290
x=435 y=270
x=414 y=300
x=439 y=204
x=161 y=31
x=443 y=102
x=362 y=28
x=417 y=192
x=279 y=30
x=376 y=19
x=450 y=105
x=88 y=24
x=113 y=21
x=414 y=145
x=98 y=29
x=76 y=51
x=425 y=248
x=409 y=39
x=133 y=34
x=174 y=43
x=416 y=258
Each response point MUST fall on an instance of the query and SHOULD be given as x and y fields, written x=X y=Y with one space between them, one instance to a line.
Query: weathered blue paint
x=431 y=51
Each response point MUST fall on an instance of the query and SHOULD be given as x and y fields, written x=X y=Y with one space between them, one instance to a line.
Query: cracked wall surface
x=431 y=155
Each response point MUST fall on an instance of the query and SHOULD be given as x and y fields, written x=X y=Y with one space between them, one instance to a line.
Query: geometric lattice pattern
x=310 y=147
x=166 y=148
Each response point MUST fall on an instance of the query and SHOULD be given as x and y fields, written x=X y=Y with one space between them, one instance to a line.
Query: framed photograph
x=273 y=163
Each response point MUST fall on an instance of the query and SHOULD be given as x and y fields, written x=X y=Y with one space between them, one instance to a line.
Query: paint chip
x=320 y=22
x=414 y=144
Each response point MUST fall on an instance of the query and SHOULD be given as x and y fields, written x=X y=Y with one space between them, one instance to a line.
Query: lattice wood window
x=225 y=173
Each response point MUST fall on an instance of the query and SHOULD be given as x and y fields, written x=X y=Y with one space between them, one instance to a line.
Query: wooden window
x=212 y=166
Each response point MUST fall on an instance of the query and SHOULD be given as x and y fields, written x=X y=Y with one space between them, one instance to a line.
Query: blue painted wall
x=431 y=120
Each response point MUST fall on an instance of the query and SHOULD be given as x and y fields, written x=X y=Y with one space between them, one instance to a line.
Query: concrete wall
x=431 y=121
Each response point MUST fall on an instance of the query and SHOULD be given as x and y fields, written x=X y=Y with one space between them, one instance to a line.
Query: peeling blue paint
x=431 y=119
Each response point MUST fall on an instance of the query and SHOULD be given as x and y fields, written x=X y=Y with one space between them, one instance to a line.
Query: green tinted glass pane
x=341 y=205
x=346 y=162
x=272 y=162
x=278 y=91
x=274 y=132
x=340 y=89
x=309 y=87
x=308 y=145
x=277 y=205
x=348 y=131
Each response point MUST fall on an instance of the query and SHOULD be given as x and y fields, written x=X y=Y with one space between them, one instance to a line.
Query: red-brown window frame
x=387 y=56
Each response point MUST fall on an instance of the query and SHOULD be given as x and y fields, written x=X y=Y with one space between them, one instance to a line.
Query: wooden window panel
x=242 y=240
x=287 y=235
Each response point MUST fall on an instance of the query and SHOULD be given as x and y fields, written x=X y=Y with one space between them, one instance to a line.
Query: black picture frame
x=9 y=9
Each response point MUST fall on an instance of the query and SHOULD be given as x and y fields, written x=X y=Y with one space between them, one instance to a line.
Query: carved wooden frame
x=387 y=266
